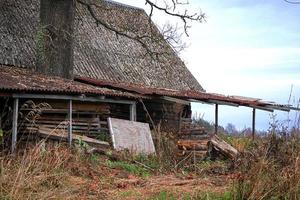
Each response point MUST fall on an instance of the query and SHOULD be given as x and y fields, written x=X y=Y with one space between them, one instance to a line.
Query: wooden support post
x=253 y=123
x=133 y=112
x=70 y=123
x=15 y=125
x=216 y=118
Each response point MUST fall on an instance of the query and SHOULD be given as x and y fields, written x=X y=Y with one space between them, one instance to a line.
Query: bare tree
x=231 y=129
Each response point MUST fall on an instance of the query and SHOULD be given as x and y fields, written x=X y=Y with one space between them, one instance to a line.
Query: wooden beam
x=201 y=101
x=62 y=135
x=133 y=112
x=15 y=125
x=70 y=137
x=223 y=103
x=5 y=94
x=286 y=109
x=261 y=108
x=74 y=98
x=253 y=123
x=295 y=108
x=216 y=119
x=176 y=100
x=223 y=147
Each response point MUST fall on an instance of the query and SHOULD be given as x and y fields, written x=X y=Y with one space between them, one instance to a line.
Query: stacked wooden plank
x=193 y=139
x=84 y=125
x=196 y=141
x=62 y=135
x=89 y=130
x=89 y=119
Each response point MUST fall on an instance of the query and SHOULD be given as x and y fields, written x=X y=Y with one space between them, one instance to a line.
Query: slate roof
x=99 y=53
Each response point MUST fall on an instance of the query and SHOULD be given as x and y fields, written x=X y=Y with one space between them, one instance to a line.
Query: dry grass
x=34 y=175
x=37 y=173
x=271 y=170
x=45 y=171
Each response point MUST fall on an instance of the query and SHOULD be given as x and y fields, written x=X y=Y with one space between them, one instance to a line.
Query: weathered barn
x=104 y=74
x=111 y=75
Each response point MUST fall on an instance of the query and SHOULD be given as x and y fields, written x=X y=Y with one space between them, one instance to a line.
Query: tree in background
x=231 y=129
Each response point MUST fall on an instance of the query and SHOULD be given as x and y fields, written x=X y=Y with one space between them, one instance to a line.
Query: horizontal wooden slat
x=195 y=137
x=192 y=142
x=34 y=129
x=65 y=111
x=66 y=126
x=58 y=134
x=73 y=122
x=75 y=119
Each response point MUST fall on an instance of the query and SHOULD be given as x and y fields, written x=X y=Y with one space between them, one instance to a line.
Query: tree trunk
x=55 y=38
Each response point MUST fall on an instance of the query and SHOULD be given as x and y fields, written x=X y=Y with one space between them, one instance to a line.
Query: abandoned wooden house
x=94 y=73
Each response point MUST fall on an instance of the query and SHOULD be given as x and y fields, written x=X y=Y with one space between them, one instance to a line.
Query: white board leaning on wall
x=133 y=136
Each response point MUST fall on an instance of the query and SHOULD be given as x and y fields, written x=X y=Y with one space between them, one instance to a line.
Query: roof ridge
x=115 y=3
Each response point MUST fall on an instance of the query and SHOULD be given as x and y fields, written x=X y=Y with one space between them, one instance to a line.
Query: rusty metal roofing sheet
x=187 y=94
x=18 y=79
x=245 y=98
x=192 y=94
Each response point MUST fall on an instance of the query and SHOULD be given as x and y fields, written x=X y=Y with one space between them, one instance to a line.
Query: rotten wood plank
x=222 y=147
x=63 y=136
x=192 y=144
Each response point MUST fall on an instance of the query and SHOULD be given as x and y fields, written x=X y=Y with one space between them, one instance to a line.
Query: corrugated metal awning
x=14 y=80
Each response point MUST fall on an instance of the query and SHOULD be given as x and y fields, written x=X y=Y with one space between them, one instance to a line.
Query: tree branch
x=169 y=33
x=184 y=17
x=292 y=2
x=137 y=38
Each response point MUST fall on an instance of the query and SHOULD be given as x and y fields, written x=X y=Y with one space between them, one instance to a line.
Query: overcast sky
x=249 y=48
